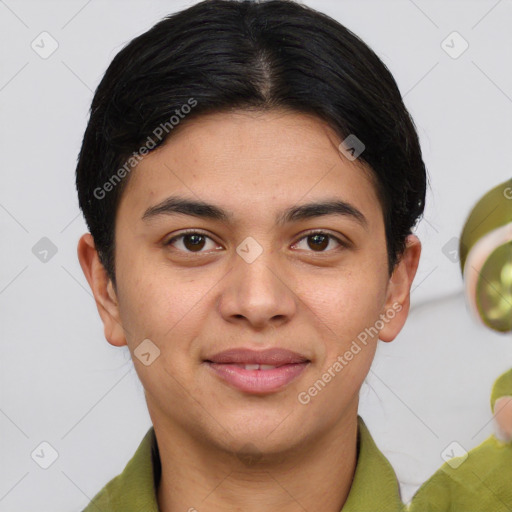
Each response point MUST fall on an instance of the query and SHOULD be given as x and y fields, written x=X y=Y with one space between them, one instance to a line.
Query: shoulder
x=135 y=487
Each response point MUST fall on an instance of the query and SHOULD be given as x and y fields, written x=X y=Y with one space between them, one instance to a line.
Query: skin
x=503 y=417
x=298 y=294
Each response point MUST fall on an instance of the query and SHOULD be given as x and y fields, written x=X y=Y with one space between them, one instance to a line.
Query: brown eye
x=190 y=242
x=319 y=241
x=194 y=242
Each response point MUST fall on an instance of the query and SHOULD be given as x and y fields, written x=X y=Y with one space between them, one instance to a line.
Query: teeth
x=258 y=367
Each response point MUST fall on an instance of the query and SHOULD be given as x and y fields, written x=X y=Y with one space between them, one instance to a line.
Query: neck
x=317 y=475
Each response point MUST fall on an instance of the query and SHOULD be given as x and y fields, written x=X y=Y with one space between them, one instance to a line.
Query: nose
x=257 y=293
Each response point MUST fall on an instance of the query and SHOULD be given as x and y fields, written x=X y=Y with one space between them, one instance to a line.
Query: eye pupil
x=195 y=240
x=321 y=240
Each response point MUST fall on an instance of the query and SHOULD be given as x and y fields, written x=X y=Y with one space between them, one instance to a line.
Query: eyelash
x=305 y=235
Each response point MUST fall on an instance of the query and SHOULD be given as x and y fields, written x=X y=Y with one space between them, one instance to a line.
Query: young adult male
x=250 y=178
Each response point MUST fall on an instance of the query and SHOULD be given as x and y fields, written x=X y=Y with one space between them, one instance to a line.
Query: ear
x=102 y=289
x=399 y=288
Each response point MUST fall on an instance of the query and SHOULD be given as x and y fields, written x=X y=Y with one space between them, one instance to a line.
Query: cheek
x=345 y=303
x=158 y=304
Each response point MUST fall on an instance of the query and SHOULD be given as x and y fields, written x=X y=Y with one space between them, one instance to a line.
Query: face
x=258 y=270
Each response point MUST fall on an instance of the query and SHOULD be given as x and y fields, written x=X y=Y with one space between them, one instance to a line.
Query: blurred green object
x=485 y=248
x=493 y=210
x=502 y=387
x=494 y=289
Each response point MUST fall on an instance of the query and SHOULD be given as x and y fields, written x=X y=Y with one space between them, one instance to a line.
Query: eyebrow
x=179 y=205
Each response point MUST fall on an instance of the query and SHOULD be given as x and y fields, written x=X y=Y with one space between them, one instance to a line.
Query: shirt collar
x=374 y=486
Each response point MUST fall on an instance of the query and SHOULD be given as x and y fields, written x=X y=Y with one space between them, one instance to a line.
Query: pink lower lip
x=257 y=381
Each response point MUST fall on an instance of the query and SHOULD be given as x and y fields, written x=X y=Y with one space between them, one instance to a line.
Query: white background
x=61 y=382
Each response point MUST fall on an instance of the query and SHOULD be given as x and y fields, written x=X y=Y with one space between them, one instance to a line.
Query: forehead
x=246 y=161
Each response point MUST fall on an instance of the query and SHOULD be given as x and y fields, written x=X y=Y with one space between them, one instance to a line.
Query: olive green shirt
x=482 y=483
x=374 y=488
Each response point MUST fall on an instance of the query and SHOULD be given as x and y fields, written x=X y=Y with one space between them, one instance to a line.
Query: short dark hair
x=226 y=55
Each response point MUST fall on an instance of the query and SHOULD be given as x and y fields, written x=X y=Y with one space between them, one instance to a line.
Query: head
x=223 y=213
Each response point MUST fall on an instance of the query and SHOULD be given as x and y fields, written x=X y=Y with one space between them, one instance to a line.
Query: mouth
x=264 y=367
x=257 y=372
x=255 y=378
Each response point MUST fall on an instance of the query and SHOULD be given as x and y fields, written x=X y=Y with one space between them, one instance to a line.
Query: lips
x=257 y=372
x=269 y=357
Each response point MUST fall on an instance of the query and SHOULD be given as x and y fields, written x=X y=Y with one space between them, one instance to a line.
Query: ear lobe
x=102 y=289
x=397 y=303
